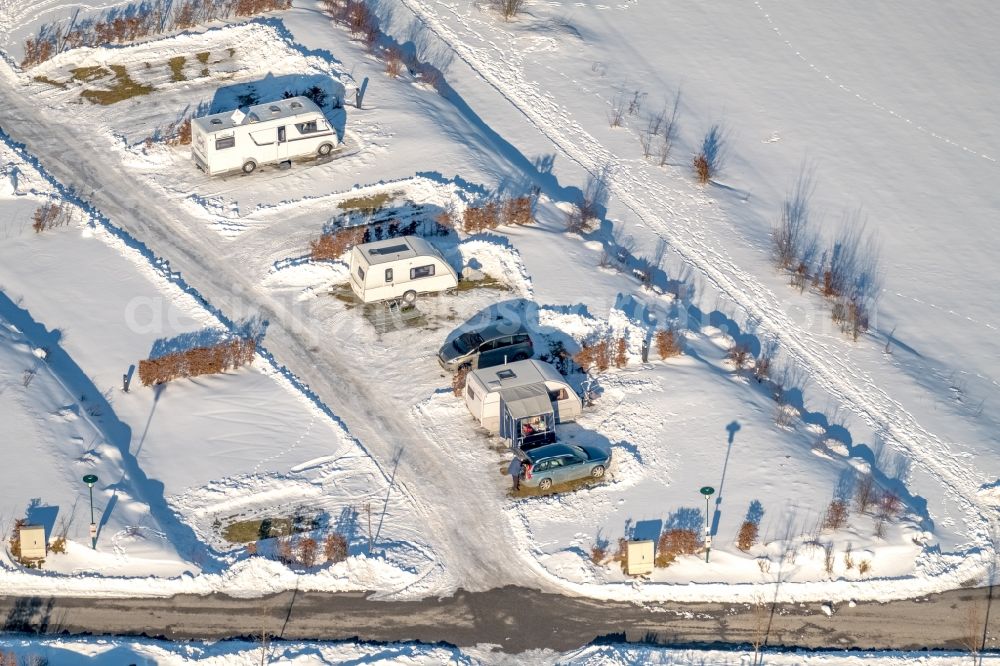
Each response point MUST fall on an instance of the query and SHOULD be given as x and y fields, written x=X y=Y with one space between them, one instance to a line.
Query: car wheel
x=545 y=484
x=325 y=149
x=597 y=472
x=249 y=166
x=410 y=297
x=520 y=356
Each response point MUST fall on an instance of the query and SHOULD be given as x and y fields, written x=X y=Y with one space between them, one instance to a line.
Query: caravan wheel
x=325 y=149
x=249 y=166
x=410 y=297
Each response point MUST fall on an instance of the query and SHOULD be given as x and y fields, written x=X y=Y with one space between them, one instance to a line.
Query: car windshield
x=579 y=452
x=467 y=342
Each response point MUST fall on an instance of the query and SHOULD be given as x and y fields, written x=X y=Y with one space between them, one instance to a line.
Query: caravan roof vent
x=274 y=109
x=506 y=374
x=392 y=249
x=296 y=105
x=216 y=121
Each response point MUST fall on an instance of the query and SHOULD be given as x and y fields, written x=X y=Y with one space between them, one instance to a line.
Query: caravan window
x=223 y=142
x=281 y=134
x=422 y=272
x=388 y=275
x=307 y=128
x=558 y=394
x=469 y=391
x=361 y=273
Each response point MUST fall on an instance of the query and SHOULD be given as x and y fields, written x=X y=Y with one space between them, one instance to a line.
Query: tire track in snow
x=829 y=367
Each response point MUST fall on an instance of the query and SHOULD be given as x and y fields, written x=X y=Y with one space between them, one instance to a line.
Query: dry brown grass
x=332 y=245
x=393 y=62
x=674 y=543
x=198 y=361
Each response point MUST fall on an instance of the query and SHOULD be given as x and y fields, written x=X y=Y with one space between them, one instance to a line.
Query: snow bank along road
x=517 y=619
x=472 y=544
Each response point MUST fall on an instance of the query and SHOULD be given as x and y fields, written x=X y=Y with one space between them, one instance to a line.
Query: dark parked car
x=562 y=463
x=491 y=344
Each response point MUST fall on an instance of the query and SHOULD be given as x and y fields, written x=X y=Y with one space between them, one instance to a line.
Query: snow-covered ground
x=99 y=651
x=913 y=403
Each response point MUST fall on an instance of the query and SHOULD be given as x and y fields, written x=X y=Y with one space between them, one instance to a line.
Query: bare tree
x=590 y=206
x=616 y=114
x=507 y=8
x=709 y=162
x=668 y=132
x=794 y=240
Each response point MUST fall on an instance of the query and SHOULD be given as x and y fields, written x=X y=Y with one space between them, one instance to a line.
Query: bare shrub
x=794 y=240
x=621 y=353
x=669 y=342
x=516 y=211
x=739 y=355
x=864 y=566
x=508 y=8
x=616 y=114
x=183 y=136
x=599 y=552
x=445 y=219
x=708 y=163
x=333 y=244
x=762 y=364
x=836 y=515
x=586 y=211
x=458 y=380
x=335 y=547
x=58 y=545
x=675 y=542
x=393 y=62
x=307 y=551
x=49 y=216
x=864 y=493
x=848 y=558
x=889 y=504
x=748 y=535
x=286 y=550
x=198 y=361
x=828 y=558
x=14 y=542
x=481 y=218
x=594 y=356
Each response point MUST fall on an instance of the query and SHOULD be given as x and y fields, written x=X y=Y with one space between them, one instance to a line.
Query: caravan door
x=282 y=143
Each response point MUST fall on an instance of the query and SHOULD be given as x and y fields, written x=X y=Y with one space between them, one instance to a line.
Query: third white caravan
x=266 y=134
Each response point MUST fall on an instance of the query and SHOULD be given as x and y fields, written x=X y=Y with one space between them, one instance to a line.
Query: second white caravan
x=266 y=134
x=399 y=268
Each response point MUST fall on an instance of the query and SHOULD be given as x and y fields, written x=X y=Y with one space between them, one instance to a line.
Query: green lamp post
x=90 y=480
x=707 y=491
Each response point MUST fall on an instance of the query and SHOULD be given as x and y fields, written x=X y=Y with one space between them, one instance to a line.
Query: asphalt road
x=518 y=619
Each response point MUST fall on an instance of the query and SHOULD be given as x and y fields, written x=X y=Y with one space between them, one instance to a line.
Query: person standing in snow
x=514 y=469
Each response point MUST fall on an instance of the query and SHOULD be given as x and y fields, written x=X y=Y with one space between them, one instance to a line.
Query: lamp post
x=90 y=480
x=707 y=491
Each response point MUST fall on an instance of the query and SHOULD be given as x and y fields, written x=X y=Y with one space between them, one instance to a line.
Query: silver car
x=562 y=463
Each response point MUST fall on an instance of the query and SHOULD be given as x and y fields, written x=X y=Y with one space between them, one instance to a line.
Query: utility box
x=639 y=558
x=33 y=546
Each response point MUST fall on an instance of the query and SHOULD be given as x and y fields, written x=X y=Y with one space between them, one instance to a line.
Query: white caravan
x=399 y=268
x=266 y=134
x=483 y=387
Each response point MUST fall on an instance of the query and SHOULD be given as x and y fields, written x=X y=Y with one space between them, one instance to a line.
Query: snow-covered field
x=336 y=417
x=113 y=652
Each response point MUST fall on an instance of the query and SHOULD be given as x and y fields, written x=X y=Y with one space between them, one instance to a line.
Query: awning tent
x=526 y=415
